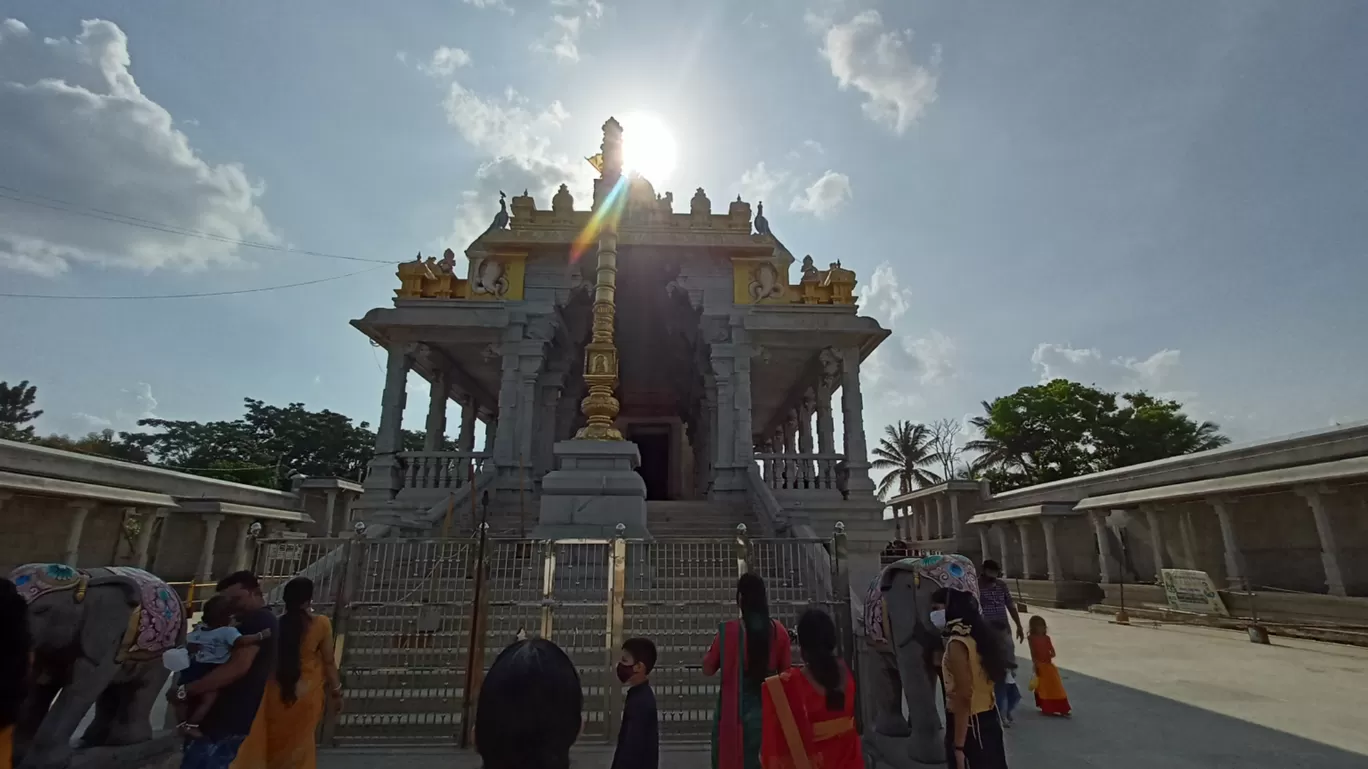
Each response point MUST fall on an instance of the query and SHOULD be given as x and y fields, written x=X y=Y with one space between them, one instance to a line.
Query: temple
x=706 y=351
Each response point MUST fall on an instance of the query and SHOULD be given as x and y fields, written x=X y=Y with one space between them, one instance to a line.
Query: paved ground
x=1143 y=696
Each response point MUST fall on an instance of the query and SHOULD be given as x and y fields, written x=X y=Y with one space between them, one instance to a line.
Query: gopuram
x=666 y=372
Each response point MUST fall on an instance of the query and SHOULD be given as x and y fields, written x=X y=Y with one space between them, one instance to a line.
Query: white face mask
x=938 y=618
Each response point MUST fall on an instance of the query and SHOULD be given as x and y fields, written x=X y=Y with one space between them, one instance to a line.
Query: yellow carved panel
x=765 y=281
x=495 y=277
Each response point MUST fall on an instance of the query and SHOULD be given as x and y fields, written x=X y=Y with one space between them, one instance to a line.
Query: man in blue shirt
x=240 y=682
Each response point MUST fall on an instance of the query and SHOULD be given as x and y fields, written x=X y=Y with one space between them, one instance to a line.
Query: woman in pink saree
x=747 y=651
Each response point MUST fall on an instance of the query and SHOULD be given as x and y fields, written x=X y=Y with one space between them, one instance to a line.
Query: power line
x=195 y=296
x=56 y=204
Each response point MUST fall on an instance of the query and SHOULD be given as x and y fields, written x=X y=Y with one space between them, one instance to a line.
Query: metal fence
x=419 y=621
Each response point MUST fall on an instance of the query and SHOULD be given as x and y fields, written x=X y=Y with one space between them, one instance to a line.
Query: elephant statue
x=899 y=658
x=98 y=637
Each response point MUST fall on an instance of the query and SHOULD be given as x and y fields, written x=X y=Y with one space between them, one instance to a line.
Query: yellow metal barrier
x=188 y=594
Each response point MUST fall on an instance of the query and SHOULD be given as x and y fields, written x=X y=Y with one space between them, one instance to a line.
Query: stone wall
x=34 y=530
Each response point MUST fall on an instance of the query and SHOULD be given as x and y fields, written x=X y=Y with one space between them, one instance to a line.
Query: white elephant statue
x=898 y=659
x=98 y=637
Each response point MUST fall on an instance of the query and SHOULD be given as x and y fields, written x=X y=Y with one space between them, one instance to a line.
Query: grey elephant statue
x=98 y=637
x=899 y=656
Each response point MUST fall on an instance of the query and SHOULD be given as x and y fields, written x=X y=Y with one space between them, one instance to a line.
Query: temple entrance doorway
x=653 y=442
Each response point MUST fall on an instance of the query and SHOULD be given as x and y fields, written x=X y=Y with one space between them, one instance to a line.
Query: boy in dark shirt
x=638 y=744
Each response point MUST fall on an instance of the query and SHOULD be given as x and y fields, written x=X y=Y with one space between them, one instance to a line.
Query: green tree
x=103 y=443
x=1062 y=429
x=16 y=410
x=907 y=450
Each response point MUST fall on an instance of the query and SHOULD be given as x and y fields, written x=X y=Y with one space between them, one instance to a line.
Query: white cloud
x=927 y=360
x=1154 y=374
x=825 y=196
x=865 y=55
x=516 y=138
x=119 y=411
x=566 y=26
x=499 y=5
x=77 y=128
x=815 y=146
x=759 y=182
x=445 y=61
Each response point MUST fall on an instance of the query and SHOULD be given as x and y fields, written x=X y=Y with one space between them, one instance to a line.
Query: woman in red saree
x=809 y=714
x=1050 y=696
x=746 y=651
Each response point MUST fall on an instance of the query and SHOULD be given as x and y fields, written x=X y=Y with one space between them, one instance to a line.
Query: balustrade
x=799 y=472
x=440 y=469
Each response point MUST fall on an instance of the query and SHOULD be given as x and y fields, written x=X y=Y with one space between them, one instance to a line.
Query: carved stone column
x=242 y=538
x=506 y=435
x=1104 y=552
x=329 y=510
x=1024 y=532
x=143 y=544
x=80 y=509
x=941 y=531
x=1330 y=555
x=827 y=381
x=724 y=425
x=1052 y=566
x=491 y=428
x=985 y=552
x=805 y=408
x=466 y=440
x=206 y=560
x=437 y=416
x=1001 y=530
x=382 y=475
x=1236 y=574
x=1156 y=540
x=852 y=413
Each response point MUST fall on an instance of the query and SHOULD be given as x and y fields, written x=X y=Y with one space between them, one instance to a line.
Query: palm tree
x=906 y=451
x=993 y=454
x=1208 y=437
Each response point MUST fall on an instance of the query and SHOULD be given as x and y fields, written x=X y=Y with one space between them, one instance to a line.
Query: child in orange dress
x=1050 y=696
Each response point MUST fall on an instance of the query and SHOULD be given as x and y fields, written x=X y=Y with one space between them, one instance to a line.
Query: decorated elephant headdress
x=158 y=617
x=953 y=571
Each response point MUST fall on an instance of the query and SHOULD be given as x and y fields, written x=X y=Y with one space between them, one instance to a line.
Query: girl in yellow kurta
x=1050 y=696
x=284 y=735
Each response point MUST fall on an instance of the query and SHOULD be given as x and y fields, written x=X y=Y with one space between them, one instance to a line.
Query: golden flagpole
x=600 y=406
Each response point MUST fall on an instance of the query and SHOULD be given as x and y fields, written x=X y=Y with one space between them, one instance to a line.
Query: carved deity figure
x=490 y=278
x=765 y=283
x=809 y=269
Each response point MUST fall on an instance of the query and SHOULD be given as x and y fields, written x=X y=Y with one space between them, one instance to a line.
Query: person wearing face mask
x=975 y=660
x=638 y=745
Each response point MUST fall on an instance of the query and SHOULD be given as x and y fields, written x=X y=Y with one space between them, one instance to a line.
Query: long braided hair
x=755 y=617
x=293 y=624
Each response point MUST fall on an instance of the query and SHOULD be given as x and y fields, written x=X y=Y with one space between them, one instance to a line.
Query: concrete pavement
x=1143 y=696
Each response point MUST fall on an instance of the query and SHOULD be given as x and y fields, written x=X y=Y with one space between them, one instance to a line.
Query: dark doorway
x=654 y=446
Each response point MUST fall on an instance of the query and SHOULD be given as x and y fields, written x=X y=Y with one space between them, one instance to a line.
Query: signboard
x=1192 y=591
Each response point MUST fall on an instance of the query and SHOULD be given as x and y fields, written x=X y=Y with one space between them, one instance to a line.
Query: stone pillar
x=852 y=414
x=1156 y=540
x=1024 y=531
x=1189 y=540
x=826 y=426
x=984 y=550
x=942 y=532
x=79 y=510
x=724 y=440
x=955 y=516
x=805 y=409
x=1001 y=530
x=382 y=475
x=437 y=417
x=741 y=398
x=329 y=513
x=242 y=538
x=544 y=439
x=505 y=437
x=491 y=429
x=1334 y=577
x=206 y=561
x=143 y=543
x=1104 y=554
x=1234 y=557
x=1052 y=568
x=466 y=440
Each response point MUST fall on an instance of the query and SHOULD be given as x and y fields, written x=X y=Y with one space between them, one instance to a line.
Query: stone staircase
x=697 y=518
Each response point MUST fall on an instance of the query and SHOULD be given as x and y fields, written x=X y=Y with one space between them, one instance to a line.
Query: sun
x=648 y=147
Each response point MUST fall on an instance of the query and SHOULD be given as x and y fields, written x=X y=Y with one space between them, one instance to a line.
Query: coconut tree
x=907 y=450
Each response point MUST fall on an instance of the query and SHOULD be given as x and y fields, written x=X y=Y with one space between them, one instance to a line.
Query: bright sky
x=1170 y=195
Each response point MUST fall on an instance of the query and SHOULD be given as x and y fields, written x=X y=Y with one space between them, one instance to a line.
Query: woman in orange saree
x=809 y=714
x=284 y=735
x=1050 y=696
x=738 y=645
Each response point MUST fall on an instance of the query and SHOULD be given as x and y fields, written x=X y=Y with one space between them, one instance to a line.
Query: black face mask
x=624 y=672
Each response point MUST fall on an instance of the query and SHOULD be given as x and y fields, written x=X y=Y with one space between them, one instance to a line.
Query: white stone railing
x=444 y=470
x=766 y=508
x=799 y=472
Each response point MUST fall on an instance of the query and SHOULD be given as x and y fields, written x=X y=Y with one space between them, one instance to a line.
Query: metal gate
x=419 y=621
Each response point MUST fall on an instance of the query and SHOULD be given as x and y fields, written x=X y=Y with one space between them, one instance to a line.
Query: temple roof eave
x=794 y=326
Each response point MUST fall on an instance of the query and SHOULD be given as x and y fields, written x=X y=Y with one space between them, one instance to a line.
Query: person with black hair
x=975 y=660
x=239 y=682
x=530 y=708
x=638 y=745
x=209 y=645
x=809 y=713
x=997 y=606
x=747 y=651
x=15 y=647
x=305 y=680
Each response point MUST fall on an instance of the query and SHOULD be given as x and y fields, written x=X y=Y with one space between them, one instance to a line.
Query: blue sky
x=1168 y=195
